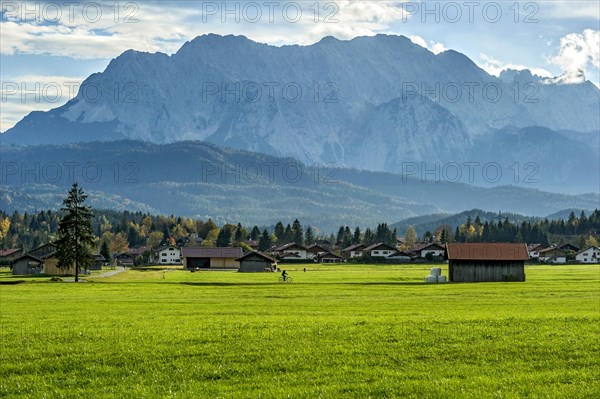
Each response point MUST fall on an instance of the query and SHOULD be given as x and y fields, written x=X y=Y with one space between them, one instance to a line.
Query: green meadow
x=337 y=331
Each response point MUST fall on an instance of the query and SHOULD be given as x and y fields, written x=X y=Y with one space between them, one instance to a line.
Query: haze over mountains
x=376 y=103
x=205 y=180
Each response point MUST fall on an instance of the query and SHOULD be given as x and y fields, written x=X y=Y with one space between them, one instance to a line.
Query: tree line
x=118 y=231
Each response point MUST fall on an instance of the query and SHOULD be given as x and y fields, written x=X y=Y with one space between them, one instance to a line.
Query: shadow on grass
x=12 y=282
x=230 y=284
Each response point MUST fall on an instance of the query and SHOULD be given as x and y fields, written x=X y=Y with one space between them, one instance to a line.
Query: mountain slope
x=205 y=180
x=334 y=101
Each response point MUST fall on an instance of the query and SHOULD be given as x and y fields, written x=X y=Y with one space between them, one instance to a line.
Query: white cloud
x=434 y=47
x=164 y=27
x=19 y=95
x=418 y=40
x=437 y=48
x=494 y=67
x=578 y=51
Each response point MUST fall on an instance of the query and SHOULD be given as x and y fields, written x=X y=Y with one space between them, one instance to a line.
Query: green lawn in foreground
x=336 y=331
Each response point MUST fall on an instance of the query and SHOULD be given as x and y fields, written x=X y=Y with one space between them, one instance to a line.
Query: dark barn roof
x=379 y=246
x=486 y=251
x=290 y=246
x=355 y=247
x=256 y=253
x=8 y=252
x=225 y=252
x=27 y=256
x=433 y=246
x=329 y=255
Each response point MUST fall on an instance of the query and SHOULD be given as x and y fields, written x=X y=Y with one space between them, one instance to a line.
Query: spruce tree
x=265 y=241
x=105 y=252
x=280 y=232
x=309 y=236
x=298 y=233
x=75 y=233
x=356 y=237
x=255 y=233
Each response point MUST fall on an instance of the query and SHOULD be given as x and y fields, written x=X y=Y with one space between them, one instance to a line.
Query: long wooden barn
x=479 y=262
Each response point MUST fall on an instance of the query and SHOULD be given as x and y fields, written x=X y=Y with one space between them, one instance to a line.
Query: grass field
x=335 y=332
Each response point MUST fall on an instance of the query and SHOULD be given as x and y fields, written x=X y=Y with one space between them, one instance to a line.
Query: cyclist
x=284 y=275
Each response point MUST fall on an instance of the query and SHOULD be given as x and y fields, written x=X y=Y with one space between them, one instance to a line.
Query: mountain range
x=377 y=103
x=203 y=180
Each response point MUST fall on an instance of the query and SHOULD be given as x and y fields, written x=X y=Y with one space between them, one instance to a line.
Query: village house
x=329 y=257
x=313 y=251
x=252 y=244
x=253 y=261
x=480 y=262
x=553 y=255
x=284 y=251
x=124 y=260
x=400 y=256
x=211 y=258
x=324 y=243
x=353 y=251
x=137 y=254
x=290 y=256
x=168 y=255
x=589 y=255
x=434 y=249
x=569 y=247
x=534 y=250
x=380 y=250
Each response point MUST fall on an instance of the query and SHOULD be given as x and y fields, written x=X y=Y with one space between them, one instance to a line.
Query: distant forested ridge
x=122 y=230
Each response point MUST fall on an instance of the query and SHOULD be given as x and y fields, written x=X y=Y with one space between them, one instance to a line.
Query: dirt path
x=118 y=270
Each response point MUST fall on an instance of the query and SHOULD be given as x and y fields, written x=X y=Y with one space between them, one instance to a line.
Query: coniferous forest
x=122 y=230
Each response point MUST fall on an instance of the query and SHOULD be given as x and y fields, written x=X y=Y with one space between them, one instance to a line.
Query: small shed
x=97 y=262
x=253 y=261
x=479 y=262
x=211 y=258
x=51 y=267
x=8 y=255
x=27 y=264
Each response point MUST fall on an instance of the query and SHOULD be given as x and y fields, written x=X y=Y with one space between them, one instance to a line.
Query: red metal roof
x=486 y=251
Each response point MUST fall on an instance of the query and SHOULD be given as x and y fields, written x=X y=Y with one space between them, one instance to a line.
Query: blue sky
x=48 y=47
